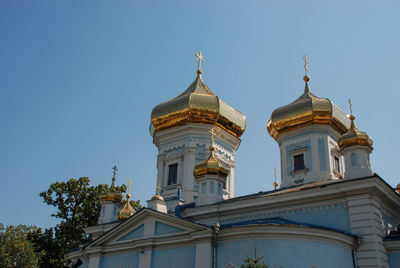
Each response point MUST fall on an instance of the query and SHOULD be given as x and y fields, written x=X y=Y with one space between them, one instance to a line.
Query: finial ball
x=352 y=117
x=128 y=196
x=211 y=148
x=199 y=72
x=306 y=78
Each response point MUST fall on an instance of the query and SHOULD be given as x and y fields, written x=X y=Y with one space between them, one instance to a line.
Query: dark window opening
x=298 y=162
x=337 y=164
x=172 y=174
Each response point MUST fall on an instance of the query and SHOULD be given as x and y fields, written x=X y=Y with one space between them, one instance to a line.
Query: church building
x=330 y=210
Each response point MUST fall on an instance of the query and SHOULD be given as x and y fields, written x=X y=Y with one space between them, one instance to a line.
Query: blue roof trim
x=391 y=238
x=179 y=208
x=282 y=221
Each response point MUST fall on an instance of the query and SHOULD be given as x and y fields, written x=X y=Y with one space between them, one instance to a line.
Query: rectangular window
x=172 y=174
x=298 y=162
x=337 y=164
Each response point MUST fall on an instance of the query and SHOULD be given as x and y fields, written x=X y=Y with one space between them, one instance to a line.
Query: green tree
x=255 y=262
x=16 y=250
x=78 y=206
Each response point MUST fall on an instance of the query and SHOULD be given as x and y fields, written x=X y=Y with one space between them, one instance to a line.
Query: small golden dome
x=112 y=194
x=307 y=110
x=157 y=197
x=397 y=188
x=197 y=104
x=354 y=137
x=210 y=166
x=127 y=211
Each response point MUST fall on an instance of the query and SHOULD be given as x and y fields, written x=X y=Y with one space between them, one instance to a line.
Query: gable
x=145 y=224
x=163 y=228
x=135 y=234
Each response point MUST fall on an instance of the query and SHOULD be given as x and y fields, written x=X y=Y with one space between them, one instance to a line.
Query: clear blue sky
x=78 y=80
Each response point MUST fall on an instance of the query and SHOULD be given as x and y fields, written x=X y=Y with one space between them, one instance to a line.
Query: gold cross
x=200 y=59
x=305 y=58
x=212 y=136
x=351 y=107
x=115 y=170
x=129 y=186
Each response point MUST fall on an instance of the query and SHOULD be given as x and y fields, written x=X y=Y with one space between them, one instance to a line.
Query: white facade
x=357 y=162
x=185 y=146
x=319 y=149
x=109 y=211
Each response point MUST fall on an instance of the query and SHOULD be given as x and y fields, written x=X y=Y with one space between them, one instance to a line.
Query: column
x=188 y=177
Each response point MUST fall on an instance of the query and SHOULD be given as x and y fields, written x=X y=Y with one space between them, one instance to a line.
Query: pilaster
x=366 y=222
x=189 y=155
x=145 y=258
x=203 y=254
x=94 y=261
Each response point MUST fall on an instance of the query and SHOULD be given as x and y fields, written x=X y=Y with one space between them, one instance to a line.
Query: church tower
x=356 y=146
x=211 y=177
x=180 y=130
x=110 y=203
x=307 y=131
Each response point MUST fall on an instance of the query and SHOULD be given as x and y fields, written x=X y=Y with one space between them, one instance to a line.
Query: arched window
x=219 y=189
x=212 y=187
x=353 y=159
x=203 y=188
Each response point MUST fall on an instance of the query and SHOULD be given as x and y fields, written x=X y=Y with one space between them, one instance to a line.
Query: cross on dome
x=115 y=169
x=305 y=58
x=351 y=107
x=129 y=186
x=200 y=59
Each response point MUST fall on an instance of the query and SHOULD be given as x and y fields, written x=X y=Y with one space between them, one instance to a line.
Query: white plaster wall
x=365 y=214
x=107 y=212
x=180 y=145
x=203 y=254
x=363 y=167
x=309 y=134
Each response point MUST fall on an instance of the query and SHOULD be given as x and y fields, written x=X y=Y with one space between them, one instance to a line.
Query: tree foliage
x=16 y=250
x=77 y=206
x=255 y=262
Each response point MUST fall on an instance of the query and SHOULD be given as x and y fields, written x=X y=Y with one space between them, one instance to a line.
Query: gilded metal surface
x=199 y=105
x=111 y=194
x=210 y=166
x=354 y=137
x=157 y=197
x=127 y=211
x=308 y=109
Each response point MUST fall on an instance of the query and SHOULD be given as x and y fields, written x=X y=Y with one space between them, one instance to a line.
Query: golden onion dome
x=307 y=110
x=197 y=104
x=127 y=211
x=157 y=197
x=354 y=137
x=210 y=166
x=112 y=194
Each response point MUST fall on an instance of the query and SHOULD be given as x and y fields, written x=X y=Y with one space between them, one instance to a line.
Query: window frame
x=296 y=163
x=172 y=180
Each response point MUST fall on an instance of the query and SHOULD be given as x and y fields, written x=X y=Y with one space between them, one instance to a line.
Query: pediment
x=147 y=224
